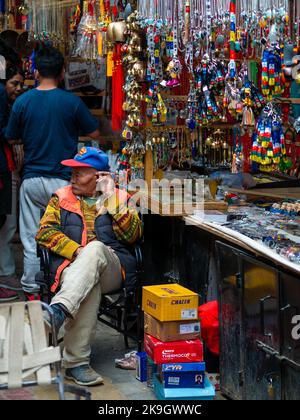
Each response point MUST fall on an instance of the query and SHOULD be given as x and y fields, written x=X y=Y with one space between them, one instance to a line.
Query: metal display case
x=260 y=359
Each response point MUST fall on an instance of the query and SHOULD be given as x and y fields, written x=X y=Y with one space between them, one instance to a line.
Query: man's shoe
x=7 y=295
x=84 y=375
x=11 y=283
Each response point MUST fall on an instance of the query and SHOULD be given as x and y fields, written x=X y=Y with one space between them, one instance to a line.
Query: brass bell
x=208 y=141
x=139 y=70
x=109 y=33
x=297 y=78
x=119 y=29
x=135 y=39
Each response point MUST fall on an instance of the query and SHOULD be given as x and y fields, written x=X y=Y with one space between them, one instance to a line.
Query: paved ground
x=119 y=384
x=107 y=346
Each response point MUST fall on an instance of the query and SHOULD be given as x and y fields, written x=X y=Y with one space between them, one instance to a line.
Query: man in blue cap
x=89 y=228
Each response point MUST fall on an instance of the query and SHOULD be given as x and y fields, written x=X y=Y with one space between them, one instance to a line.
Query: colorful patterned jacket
x=68 y=224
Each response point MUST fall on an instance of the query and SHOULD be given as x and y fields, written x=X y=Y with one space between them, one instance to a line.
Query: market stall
x=204 y=95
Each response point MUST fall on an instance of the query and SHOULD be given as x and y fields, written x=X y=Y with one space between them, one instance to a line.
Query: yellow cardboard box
x=171 y=331
x=170 y=302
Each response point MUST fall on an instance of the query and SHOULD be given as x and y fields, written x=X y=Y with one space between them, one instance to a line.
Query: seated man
x=89 y=234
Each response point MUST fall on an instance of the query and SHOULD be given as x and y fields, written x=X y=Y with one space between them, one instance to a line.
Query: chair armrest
x=138 y=257
x=44 y=255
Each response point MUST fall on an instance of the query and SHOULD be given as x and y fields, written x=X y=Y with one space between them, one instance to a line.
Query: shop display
x=204 y=65
x=277 y=227
x=225 y=60
x=269 y=143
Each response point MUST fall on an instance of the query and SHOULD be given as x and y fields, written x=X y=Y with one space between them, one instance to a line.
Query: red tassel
x=247 y=144
x=9 y=157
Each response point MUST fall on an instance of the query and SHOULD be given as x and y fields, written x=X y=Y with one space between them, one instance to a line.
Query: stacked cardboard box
x=173 y=344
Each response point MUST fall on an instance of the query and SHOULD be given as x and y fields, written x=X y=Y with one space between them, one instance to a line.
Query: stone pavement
x=107 y=346
x=118 y=384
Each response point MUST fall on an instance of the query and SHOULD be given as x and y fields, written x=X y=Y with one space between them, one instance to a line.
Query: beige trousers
x=96 y=271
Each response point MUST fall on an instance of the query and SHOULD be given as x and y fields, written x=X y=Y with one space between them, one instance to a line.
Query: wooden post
x=149 y=168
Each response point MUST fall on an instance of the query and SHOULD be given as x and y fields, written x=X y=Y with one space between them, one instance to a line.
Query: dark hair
x=11 y=71
x=49 y=62
x=9 y=53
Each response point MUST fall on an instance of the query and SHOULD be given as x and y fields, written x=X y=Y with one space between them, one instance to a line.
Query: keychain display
x=269 y=144
x=137 y=150
x=87 y=42
x=200 y=65
x=253 y=101
x=209 y=78
x=156 y=107
x=232 y=99
x=272 y=74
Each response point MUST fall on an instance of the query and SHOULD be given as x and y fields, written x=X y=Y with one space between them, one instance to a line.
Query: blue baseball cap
x=89 y=157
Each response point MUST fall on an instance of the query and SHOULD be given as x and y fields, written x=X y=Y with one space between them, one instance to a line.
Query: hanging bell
x=208 y=141
x=119 y=29
x=109 y=33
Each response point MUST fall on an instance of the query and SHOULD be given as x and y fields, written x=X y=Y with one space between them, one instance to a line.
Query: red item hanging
x=118 y=96
x=91 y=9
x=9 y=158
x=247 y=146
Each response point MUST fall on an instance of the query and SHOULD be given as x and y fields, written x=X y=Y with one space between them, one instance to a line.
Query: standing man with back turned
x=48 y=121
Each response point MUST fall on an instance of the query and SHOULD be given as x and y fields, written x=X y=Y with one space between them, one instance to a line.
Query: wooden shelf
x=295 y=101
x=87 y=95
x=276 y=193
x=29 y=82
x=97 y=112
x=155 y=203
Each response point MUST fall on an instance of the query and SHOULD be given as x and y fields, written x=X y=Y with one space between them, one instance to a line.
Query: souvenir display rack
x=203 y=79
x=214 y=70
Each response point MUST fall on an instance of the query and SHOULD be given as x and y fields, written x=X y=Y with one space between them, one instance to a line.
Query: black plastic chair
x=122 y=310
x=119 y=310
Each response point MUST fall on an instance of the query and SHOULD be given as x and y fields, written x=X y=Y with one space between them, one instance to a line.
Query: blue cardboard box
x=188 y=394
x=183 y=375
x=141 y=368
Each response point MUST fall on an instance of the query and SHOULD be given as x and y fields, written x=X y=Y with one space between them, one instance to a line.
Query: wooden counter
x=279 y=193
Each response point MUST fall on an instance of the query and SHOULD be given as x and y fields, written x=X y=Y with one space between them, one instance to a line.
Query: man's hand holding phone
x=105 y=184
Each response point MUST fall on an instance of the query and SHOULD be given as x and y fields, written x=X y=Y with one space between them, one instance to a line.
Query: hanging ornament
x=232 y=63
x=269 y=142
x=209 y=77
x=173 y=71
x=253 y=101
x=156 y=108
x=272 y=73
